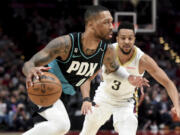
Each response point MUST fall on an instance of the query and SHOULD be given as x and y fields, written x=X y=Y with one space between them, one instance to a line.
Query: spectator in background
x=12 y=108
x=164 y=110
x=21 y=118
x=3 y=112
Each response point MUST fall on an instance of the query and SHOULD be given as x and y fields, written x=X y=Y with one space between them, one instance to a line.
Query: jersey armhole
x=102 y=57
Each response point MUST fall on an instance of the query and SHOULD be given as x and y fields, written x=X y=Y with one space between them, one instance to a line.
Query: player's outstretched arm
x=112 y=66
x=58 y=47
x=149 y=65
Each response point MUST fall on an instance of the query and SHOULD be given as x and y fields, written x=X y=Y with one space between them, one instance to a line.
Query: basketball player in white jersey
x=115 y=96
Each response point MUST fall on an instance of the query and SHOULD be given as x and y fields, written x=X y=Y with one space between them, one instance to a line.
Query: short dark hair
x=93 y=11
x=126 y=25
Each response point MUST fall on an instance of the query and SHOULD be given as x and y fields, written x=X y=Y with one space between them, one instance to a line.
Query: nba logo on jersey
x=75 y=50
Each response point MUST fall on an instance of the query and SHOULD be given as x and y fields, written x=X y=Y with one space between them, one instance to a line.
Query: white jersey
x=113 y=88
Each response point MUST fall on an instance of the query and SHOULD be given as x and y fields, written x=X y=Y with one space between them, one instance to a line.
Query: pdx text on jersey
x=82 y=69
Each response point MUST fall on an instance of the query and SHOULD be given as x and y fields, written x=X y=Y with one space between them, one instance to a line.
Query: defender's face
x=102 y=25
x=126 y=40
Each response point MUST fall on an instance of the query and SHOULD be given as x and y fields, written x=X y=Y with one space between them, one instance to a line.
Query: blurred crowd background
x=27 y=26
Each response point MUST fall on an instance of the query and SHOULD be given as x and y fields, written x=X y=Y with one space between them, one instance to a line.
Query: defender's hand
x=35 y=72
x=176 y=111
x=138 y=81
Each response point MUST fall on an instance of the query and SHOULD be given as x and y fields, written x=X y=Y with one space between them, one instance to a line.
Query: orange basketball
x=46 y=90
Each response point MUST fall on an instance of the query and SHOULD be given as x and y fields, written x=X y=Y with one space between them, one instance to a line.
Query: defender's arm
x=112 y=66
x=148 y=64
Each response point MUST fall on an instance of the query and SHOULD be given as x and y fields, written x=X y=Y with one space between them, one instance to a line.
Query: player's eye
x=108 y=22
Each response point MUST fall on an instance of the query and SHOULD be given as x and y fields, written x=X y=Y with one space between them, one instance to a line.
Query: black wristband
x=87 y=99
x=93 y=103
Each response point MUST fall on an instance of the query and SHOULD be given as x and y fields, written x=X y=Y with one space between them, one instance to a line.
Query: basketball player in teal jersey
x=116 y=97
x=75 y=59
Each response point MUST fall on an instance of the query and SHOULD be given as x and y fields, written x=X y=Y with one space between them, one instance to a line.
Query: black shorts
x=35 y=110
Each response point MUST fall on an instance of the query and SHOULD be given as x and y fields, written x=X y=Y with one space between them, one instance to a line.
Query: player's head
x=98 y=20
x=126 y=37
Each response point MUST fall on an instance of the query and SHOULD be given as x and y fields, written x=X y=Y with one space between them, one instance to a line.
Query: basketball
x=46 y=90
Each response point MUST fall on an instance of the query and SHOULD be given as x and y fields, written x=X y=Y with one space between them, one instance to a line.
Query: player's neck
x=90 y=40
x=89 y=43
x=123 y=58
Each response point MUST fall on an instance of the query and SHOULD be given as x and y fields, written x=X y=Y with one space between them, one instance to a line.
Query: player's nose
x=126 y=40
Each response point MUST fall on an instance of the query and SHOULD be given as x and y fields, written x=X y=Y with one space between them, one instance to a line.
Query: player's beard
x=126 y=53
x=104 y=37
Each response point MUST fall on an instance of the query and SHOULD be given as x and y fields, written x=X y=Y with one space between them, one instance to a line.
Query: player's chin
x=126 y=51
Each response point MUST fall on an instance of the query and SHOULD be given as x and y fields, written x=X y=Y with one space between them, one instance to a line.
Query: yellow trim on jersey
x=129 y=61
x=136 y=97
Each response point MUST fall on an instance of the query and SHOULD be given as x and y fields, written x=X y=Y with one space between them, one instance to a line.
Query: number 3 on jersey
x=116 y=85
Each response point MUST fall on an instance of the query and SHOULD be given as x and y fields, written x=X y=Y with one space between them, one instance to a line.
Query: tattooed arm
x=110 y=60
x=58 y=47
x=113 y=67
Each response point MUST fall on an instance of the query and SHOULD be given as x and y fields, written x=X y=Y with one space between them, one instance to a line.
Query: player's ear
x=90 y=23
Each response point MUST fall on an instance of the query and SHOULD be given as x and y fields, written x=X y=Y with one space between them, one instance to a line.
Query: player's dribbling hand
x=138 y=81
x=35 y=72
x=87 y=107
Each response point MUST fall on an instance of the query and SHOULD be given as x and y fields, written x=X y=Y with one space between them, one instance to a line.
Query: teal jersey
x=78 y=67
